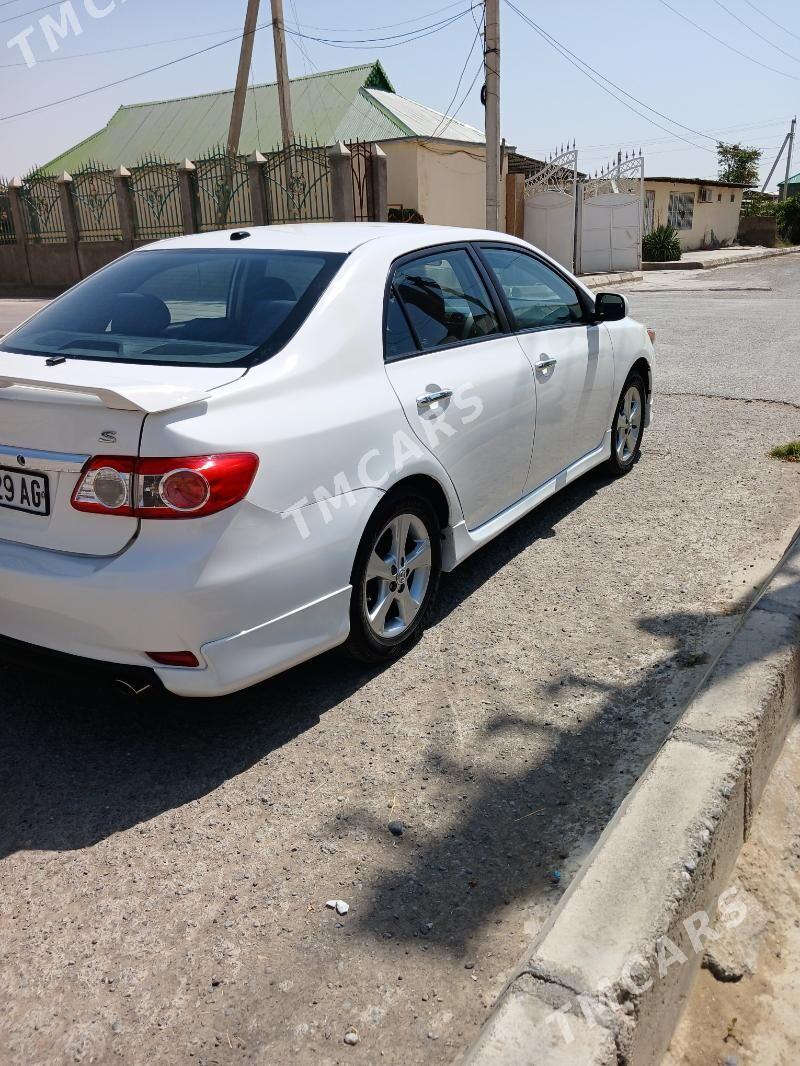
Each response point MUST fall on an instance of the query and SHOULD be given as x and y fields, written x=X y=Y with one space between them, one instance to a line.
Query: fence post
x=341 y=165
x=379 y=181
x=515 y=204
x=188 y=214
x=256 y=183
x=127 y=221
x=70 y=218
x=20 y=227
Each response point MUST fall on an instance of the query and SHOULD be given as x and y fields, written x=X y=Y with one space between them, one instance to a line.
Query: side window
x=537 y=295
x=445 y=299
x=399 y=341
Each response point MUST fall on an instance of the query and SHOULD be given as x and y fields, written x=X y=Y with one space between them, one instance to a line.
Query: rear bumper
x=245 y=593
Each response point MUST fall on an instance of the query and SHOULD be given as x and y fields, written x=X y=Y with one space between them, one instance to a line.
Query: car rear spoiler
x=148 y=398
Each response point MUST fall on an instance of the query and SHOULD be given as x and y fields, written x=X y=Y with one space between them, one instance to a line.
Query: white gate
x=550 y=201
x=610 y=217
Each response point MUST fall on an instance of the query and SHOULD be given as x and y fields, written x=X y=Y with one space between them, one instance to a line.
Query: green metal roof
x=794 y=180
x=355 y=103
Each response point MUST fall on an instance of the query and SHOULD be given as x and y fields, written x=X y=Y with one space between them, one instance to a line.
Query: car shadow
x=80 y=761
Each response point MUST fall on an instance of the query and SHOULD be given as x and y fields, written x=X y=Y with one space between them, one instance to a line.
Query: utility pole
x=282 y=70
x=492 y=101
x=240 y=92
x=785 y=192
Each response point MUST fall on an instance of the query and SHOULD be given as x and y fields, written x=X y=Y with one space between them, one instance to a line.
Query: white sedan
x=226 y=453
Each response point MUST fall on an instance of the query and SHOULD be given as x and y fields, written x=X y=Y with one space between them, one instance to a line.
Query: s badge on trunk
x=108 y=436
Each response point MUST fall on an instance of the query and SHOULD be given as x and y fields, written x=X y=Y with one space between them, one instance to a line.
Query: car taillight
x=651 y=333
x=189 y=487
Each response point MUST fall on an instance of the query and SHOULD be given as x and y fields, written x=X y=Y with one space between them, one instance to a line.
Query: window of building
x=681 y=209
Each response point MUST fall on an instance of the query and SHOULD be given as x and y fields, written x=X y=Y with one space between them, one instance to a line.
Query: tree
x=738 y=164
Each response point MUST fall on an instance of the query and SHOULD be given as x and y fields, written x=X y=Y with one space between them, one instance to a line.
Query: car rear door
x=463 y=380
x=570 y=355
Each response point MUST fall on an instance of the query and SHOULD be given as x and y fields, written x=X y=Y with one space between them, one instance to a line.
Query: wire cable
x=130 y=77
x=763 y=14
x=724 y=44
x=458 y=83
x=751 y=29
x=584 y=67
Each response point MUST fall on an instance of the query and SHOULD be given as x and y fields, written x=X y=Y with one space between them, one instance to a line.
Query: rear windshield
x=182 y=307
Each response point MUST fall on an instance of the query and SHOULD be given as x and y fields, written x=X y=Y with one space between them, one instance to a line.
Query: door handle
x=434 y=397
x=545 y=364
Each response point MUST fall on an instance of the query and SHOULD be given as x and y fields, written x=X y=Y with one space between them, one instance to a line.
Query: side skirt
x=459 y=542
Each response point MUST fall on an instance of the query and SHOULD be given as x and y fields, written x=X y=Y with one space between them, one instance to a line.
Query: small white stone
x=338 y=905
x=351 y=1036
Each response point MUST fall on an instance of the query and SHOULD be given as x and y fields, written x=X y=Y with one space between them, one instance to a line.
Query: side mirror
x=610 y=307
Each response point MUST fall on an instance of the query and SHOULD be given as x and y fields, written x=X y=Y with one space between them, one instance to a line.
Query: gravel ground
x=164 y=868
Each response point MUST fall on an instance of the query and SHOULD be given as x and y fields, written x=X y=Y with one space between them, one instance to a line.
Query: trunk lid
x=52 y=419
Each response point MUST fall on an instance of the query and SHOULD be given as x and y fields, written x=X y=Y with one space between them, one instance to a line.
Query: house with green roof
x=793 y=186
x=436 y=163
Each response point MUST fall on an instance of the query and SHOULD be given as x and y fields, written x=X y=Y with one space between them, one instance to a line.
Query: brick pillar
x=70 y=221
x=340 y=162
x=185 y=179
x=127 y=217
x=255 y=163
x=20 y=230
x=379 y=185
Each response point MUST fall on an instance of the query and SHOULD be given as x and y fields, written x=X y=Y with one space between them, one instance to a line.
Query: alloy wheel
x=628 y=428
x=397 y=576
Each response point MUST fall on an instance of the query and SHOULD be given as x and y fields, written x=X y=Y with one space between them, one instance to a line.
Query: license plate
x=24 y=492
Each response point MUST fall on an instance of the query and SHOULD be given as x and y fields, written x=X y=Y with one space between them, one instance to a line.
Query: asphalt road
x=164 y=868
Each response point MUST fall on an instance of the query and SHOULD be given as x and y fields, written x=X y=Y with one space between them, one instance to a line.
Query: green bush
x=661 y=245
x=788 y=215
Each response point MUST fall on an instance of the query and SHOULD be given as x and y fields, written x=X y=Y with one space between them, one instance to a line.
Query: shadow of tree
x=79 y=762
x=512 y=837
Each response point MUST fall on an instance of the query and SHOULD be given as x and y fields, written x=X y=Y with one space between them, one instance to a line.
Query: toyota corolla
x=224 y=454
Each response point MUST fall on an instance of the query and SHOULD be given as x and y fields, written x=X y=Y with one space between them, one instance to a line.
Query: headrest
x=139 y=314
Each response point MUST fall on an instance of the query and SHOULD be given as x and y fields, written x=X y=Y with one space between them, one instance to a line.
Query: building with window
x=705 y=212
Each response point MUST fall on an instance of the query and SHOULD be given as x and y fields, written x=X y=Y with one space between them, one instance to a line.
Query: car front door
x=571 y=357
x=464 y=383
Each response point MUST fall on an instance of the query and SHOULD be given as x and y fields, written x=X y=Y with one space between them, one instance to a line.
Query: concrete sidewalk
x=707 y=260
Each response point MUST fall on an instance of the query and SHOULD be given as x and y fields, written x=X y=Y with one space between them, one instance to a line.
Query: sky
x=702 y=89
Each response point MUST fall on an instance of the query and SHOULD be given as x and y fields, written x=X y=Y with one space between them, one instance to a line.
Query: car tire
x=627 y=426
x=395 y=578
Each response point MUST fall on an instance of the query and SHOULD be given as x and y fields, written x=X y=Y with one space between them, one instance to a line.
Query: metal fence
x=155 y=199
x=297 y=184
x=222 y=191
x=361 y=171
x=41 y=199
x=96 y=207
x=7 y=234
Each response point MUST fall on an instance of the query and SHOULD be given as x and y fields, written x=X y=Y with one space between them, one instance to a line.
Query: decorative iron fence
x=156 y=199
x=222 y=189
x=96 y=208
x=41 y=199
x=297 y=184
x=361 y=171
x=7 y=235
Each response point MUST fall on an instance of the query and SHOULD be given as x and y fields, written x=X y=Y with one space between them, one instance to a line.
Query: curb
x=600 y=986
x=598 y=281
x=725 y=260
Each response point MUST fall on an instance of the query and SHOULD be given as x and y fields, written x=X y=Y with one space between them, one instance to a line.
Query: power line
x=751 y=29
x=458 y=84
x=725 y=44
x=130 y=77
x=123 y=48
x=375 y=42
x=763 y=14
x=24 y=14
x=584 y=67
x=388 y=25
